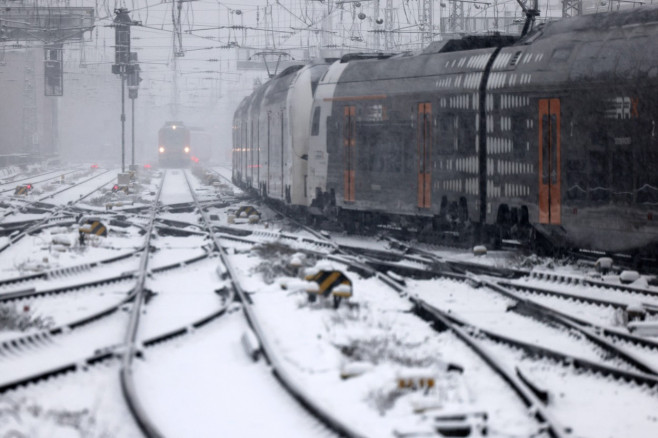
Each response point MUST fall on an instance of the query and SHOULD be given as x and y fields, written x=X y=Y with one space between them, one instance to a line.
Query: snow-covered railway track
x=587 y=290
x=273 y=357
x=45 y=354
x=52 y=212
x=56 y=307
x=626 y=368
x=30 y=175
x=603 y=338
x=356 y=259
x=498 y=351
x=36 y=180
x=65 y=325
x=638 y=351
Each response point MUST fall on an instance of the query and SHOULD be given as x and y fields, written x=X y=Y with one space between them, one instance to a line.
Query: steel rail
x=31 y=179
x=33 y=338
x=296 y=390
x=524 y=391
x=130 y=349
x=33 y=293
x=595 y=333
x=112 y=351
x=518 y=385
x=31 y=227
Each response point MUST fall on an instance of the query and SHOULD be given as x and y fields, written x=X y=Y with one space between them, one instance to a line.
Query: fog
x=201 y=88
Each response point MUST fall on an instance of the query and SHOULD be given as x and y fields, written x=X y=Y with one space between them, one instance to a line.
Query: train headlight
x=186 y=149
x=161 y=149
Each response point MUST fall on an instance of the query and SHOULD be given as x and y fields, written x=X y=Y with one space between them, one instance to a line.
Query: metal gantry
x=572 y=8
x=456 y=20
x=425 y=21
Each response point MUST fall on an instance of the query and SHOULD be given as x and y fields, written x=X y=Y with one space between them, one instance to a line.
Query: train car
x=239 y=140
x=545 y=138
x=400 y=136
x=174 y=148
x=271 y=131
x=573 y=136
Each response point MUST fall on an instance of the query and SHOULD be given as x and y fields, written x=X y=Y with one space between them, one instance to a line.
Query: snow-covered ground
x=370 y=363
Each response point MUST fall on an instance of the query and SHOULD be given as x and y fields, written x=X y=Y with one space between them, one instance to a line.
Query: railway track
x=411 y=317
x=624 y=363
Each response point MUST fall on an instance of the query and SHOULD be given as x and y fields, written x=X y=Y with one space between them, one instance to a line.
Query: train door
x=258 y=153
x=269 y=145
x=251 y=153
x=243 y=152
x=424 y=140
x=349 y=148
x=282 y=180
x=549 y=161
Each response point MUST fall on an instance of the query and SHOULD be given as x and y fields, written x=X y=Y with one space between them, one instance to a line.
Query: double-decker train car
x=174 y=149
x=548 y=137
x=270 y=135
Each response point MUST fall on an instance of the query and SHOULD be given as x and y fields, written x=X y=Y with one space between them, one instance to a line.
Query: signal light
x=161 y=149
x=186 y=149
x=115 y=188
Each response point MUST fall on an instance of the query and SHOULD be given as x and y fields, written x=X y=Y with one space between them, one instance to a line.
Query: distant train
x=549 y=138
x=174 y=149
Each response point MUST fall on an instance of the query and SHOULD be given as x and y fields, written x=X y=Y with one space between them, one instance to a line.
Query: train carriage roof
x=602 y=22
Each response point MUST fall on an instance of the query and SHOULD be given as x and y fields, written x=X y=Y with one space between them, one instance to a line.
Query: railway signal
x=133 y=87
x=122 y=65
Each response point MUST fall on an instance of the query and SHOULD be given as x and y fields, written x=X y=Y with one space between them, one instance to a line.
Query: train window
x=606 y=59
x=581 y=67
x=467 y=135
x=515 y=59
x=334 y=135
x=598 y=177
x=561 y=54
x=315 y=126
x=647 y=184
x=627 y=58
x=622 y=178
x=519 y=133
x=576 y=180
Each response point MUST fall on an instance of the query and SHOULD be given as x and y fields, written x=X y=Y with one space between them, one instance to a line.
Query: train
x=174 y=148
x=548 y=138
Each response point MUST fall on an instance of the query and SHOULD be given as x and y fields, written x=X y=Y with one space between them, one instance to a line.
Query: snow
x=179 y=301
x=378 y=327
x=368 y=362
x=489 y=310
x=175 y=190
x=82 y=404
x=206 y=386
